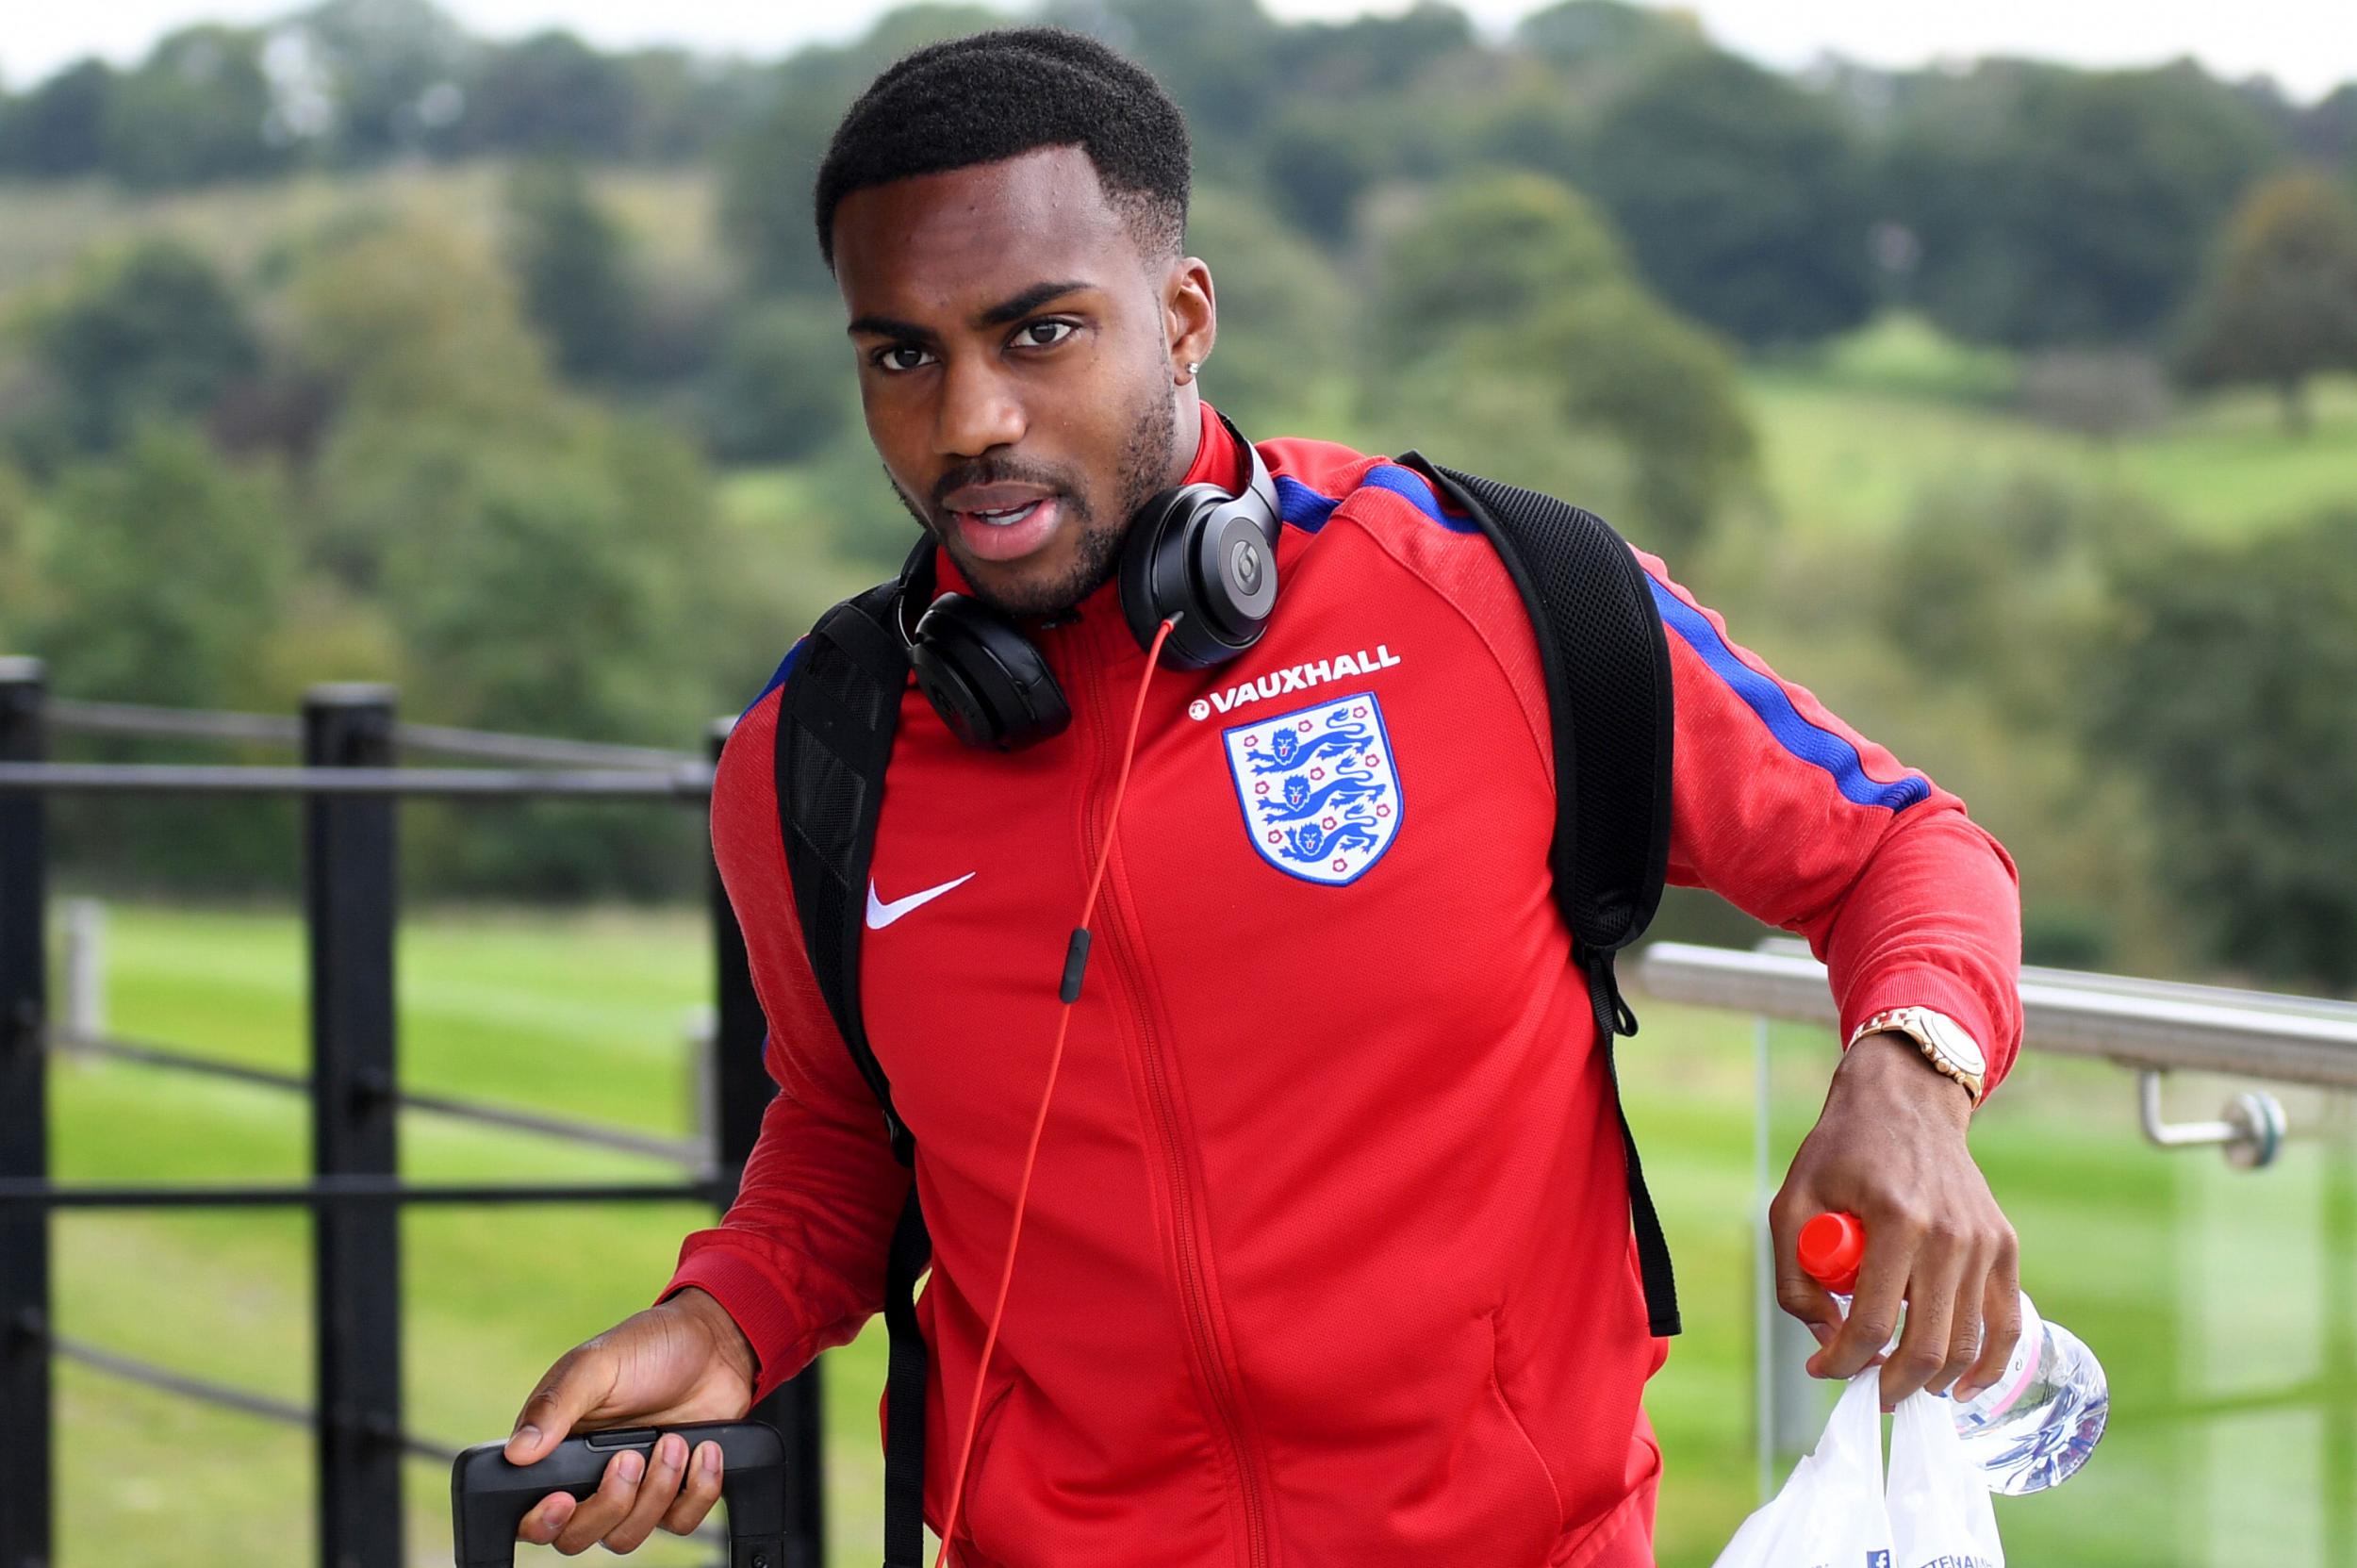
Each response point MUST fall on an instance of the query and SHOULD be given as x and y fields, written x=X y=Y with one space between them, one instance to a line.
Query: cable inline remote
x=489 y=1496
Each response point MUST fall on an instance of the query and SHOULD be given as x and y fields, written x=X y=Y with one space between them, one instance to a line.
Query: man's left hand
x=1889 y=1147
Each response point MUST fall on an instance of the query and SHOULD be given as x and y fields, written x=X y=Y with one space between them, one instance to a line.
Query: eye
x=888 y=358
x=1026 y=334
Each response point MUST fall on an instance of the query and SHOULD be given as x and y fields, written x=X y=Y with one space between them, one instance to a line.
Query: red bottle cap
x=1831 y=1247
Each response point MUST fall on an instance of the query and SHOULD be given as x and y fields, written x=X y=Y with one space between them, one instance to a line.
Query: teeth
x=1008 y=515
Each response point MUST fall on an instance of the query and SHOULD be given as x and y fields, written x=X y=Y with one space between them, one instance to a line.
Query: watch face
x=1953 y=1041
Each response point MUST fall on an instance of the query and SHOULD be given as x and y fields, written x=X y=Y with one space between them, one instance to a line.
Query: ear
x=1190 y=316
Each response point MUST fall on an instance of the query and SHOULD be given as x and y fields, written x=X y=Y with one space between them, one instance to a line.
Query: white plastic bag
x=1940 y=1516
x=1830 y=1514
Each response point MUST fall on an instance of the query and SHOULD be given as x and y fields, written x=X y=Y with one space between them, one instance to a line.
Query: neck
x=1188 y=428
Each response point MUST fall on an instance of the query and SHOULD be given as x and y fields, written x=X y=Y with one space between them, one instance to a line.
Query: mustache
x=1000 y=473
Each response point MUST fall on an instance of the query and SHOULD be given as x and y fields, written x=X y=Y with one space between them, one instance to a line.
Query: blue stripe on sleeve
x=785 y=667
x=1301 y=505
x=1407 y=481
x=1809 y=741
x=1307 y=510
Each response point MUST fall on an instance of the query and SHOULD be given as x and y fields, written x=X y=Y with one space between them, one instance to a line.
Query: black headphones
x=1195 y=552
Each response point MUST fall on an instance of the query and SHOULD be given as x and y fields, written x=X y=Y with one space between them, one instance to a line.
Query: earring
x=1192 y=365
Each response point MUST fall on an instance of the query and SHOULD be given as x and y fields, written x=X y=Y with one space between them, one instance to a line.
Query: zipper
x=1195 y=1293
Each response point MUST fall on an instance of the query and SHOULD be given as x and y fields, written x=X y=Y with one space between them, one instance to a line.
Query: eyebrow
x=1012 y=308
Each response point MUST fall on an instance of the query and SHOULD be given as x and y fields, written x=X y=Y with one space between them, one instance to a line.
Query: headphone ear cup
x=990 y=685
x=1203 y=554
x=1151 y=584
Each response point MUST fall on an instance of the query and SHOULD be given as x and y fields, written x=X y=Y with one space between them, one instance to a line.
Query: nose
x=978 y=408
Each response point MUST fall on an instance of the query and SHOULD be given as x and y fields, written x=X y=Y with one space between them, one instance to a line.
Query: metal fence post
x=741 y=1083
x=347 y=906
x=25 y=1397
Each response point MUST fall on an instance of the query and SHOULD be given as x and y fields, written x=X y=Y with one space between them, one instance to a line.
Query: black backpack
x=1591 y=609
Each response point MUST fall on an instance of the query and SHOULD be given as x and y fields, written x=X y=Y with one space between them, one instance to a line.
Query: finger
x=547 y=1516
x=1882 y=1283
x=702 y=1491
x=656 y=1494
x=574 y=1386
x=2001 y=1307
x=605 y=1508
x=1796 y=1292
x=1964 y=1327
x=1931 y=1295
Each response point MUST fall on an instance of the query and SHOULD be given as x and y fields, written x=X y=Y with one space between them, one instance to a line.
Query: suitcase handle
x=489 y=1496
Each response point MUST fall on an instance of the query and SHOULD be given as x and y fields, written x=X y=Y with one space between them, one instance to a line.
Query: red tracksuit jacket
x=1327 y=1261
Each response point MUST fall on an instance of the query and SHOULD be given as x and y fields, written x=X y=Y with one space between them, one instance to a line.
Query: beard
x=1146 y=458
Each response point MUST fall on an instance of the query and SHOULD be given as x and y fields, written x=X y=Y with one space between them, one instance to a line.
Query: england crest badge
x=1318 y=788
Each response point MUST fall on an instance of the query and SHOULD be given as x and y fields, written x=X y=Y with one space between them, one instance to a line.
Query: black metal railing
x=350 y=784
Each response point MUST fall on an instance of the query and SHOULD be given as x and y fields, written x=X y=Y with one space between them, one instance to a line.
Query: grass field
x=1851 y=439
x=2225 y=1306
x=45 y=225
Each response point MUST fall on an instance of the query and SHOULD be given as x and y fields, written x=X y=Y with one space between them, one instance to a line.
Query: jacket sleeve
x=1797 y=819
x=799 y=1259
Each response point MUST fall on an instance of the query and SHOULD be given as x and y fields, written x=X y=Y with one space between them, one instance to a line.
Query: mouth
x=1011 y=532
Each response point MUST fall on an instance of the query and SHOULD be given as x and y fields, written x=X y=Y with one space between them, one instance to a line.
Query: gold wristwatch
x=1940 y=1037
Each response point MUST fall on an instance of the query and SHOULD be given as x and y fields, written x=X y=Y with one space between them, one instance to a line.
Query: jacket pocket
x=967 y=1553
x=1537 y=1463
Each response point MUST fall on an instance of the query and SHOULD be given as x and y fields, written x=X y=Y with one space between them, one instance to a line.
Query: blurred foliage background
x=2012 y=407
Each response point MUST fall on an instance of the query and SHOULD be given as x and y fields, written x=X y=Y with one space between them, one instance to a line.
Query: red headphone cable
x=1076 y=963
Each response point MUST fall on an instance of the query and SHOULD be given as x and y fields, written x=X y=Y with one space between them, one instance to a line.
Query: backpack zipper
x=1218 y=1376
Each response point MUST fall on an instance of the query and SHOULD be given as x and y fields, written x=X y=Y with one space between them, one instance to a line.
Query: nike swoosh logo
x=880 y=914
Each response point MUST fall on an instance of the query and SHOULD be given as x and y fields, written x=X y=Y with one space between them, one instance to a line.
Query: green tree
x=199 y=108
x=1585 y=34
x=59 y=128
x=392 y=71
x=152 y=332
x=2057 y=206
x=783 y=386
x=2328 y=132
x=414 y=318
x=2003 y=586
x=767 y=176
x=1318 y=159
x=2226 y=690
x=408 y=327
x=1223 y=61
x=1512 y=333
x=17 y=579
x=556 y=580
x=1490 y=251
x=690 y=107
x=1746 y=199
x=549 y=93
x=573 y=263
x=2281 y=302
x=539 y=563
x=163 y=574
x=1284 y=323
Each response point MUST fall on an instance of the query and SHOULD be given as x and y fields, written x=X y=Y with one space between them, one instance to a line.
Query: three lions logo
x=1320 y=796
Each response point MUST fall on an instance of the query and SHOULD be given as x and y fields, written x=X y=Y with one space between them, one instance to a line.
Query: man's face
x=1017 y=364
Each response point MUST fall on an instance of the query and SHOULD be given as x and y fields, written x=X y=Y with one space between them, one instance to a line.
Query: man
x=1328 y=1259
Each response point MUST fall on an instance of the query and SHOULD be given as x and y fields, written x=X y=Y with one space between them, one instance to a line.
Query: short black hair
x=1009 y=91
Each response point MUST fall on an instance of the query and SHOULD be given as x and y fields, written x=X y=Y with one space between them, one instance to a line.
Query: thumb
x=574 y=1386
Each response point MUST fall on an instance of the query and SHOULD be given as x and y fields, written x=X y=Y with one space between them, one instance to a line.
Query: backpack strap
x=1592 y=610
x=838 y=714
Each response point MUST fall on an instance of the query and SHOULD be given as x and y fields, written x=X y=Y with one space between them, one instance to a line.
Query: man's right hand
x=679 y=1360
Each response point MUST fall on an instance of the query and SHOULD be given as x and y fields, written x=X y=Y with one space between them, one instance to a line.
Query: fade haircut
x=1010 y=90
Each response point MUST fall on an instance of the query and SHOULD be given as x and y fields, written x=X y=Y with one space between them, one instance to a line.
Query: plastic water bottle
x=2033 y=1428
